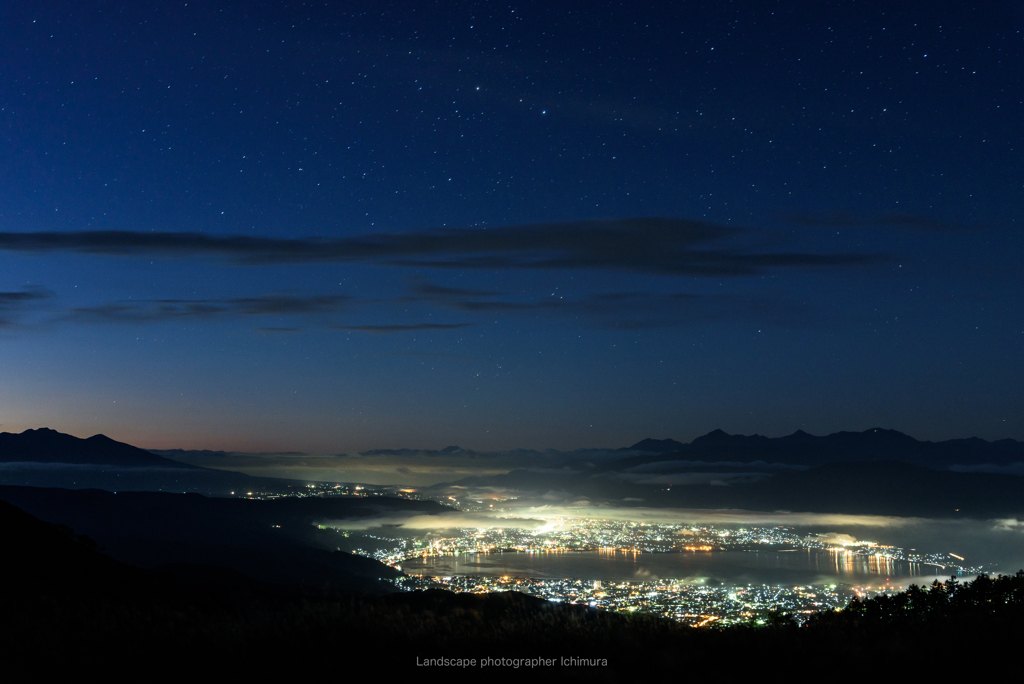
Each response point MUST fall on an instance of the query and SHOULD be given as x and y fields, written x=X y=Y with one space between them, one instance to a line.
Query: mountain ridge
x=801 y=448
x=44 y=445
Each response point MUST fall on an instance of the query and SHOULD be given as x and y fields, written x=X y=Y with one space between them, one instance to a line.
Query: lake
x=799 y=567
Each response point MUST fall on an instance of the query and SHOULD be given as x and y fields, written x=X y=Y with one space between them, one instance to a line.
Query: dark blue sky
x=341 y=226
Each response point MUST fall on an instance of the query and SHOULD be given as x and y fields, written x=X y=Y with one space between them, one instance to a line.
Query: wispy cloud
x=632 y=310
x=619 y=310
x=175 y=309
x=414 y=327
x=641 y=245
x=13 y=304
x=429 y=291
x=13 y=299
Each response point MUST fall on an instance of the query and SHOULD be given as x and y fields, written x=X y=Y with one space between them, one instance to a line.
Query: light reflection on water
x=799 y=567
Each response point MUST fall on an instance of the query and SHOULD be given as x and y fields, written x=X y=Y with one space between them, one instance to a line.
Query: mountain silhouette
x=273 y=541
x=447 y=451
x=657 y=446
x=49 y=446
x=801 y=448
x=40 y=555
x=47 y=458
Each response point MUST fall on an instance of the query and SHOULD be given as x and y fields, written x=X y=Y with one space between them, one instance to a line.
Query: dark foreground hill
x=68 y=608
x=274 y=541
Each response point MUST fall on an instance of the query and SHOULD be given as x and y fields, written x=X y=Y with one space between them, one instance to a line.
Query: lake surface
x=799 y=567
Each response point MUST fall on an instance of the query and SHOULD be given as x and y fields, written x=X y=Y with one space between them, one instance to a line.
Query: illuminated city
x=692 y=601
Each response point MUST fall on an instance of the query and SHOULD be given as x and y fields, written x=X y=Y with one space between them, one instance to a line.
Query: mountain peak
x=657 y=446
x=887 y=432
x=721 y=437
x=100 y=438
x=45 y=445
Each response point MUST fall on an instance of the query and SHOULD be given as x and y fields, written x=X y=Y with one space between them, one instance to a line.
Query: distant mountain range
x=49 y=446
x=656 y=446
x=447 y=451
x=47 y=458
x=875 y=471
x=800 y=448
x=46 y=446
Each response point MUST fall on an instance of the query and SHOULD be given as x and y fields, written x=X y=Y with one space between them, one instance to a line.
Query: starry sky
x=331 y=227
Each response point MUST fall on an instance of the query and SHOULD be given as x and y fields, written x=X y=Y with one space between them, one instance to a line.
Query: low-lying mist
x=996 y=544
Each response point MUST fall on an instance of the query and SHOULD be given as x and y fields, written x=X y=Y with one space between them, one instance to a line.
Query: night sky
x=339 y=226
